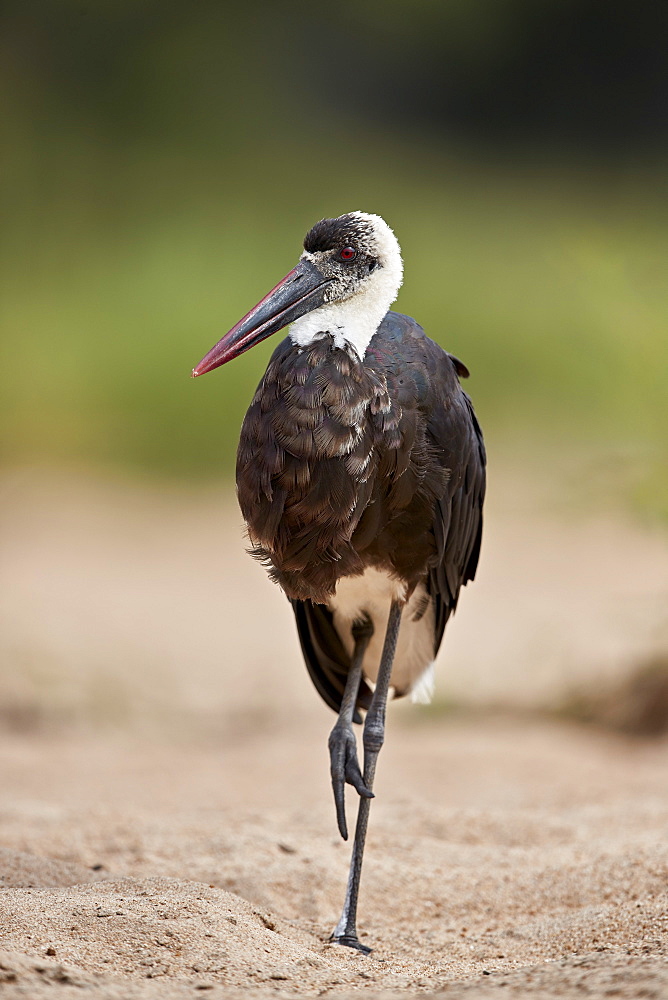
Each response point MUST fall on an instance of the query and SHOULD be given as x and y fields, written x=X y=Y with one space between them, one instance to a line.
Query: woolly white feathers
x=353 y=318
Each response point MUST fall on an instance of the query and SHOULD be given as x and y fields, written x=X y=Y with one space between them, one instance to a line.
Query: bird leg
x=345 y=931
x=344 y=765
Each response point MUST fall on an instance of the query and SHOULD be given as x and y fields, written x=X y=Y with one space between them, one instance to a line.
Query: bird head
x=345 y=281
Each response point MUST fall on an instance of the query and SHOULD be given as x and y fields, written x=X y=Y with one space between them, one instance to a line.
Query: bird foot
x=351 y=941
x=344 y=767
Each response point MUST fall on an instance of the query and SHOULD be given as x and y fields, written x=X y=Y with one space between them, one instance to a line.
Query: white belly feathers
x=373 y=592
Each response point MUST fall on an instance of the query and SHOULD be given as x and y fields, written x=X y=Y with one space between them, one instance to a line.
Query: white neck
x=354 y=320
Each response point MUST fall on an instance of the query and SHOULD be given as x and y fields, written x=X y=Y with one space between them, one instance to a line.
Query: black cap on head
x=334 y=234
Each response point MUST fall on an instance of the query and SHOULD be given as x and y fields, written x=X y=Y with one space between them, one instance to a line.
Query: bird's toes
x=345 y=769
x=338 y=773
x=341 y=821
x=338 y=787
x=354 y=778
x=351 y=941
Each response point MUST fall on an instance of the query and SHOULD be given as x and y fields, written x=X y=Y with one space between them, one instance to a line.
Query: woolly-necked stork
x=361 y=478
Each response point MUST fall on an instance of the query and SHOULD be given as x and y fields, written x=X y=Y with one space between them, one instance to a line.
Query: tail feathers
x=326 y=659
x=422 y=691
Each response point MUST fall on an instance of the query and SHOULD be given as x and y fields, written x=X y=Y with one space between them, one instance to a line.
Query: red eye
x=348 y=253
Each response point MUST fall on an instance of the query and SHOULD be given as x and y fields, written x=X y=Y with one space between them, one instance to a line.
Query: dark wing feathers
x=457 y=517
x=326 y=660
x=417 y=471
x=413 y=363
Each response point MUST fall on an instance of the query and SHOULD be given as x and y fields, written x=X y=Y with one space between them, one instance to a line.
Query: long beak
x=300 y=291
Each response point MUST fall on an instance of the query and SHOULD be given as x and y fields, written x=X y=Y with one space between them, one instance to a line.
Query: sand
x=166 y=829
x=531 y=853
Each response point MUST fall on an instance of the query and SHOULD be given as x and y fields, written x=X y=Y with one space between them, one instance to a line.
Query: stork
x=361 y=478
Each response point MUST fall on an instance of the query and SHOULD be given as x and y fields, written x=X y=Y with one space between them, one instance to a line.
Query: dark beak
x=300 y=291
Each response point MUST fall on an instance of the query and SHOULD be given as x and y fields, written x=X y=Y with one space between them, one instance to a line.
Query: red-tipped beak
x=300 y=291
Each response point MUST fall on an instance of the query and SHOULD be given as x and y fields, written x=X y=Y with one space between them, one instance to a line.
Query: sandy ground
x=166 y=829
x=528 y=854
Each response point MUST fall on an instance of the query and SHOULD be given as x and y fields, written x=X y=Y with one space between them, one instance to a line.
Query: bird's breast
x=324 y=463
x=304 y=464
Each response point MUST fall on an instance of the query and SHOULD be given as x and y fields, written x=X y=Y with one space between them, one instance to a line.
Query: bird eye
x=347 y=254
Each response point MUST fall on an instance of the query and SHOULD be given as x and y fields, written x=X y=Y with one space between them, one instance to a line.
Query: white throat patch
x=352 y=321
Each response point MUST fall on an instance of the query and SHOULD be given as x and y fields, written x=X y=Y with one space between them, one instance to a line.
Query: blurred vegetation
x=162 y=163
x=636 y=705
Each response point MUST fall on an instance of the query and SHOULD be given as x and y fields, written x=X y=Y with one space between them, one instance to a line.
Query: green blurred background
x=162 y=162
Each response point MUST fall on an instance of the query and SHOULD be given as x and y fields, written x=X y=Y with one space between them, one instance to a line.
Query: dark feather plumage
x=346 y=464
